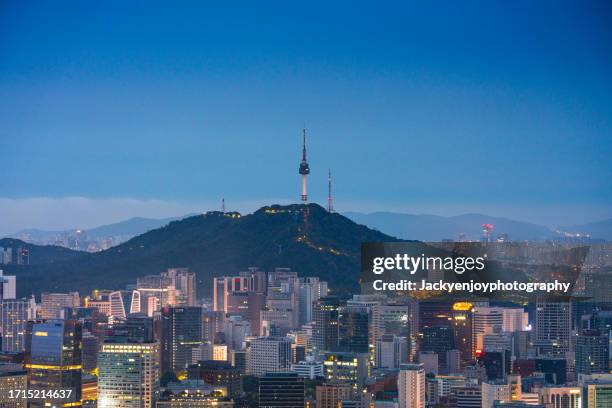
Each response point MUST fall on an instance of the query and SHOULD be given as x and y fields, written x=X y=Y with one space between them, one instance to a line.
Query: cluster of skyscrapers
x=277 y=339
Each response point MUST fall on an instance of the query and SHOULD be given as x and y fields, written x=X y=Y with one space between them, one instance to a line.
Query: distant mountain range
x=307 y=239
x=128 y=228
x=436 y=228
x=600 y=229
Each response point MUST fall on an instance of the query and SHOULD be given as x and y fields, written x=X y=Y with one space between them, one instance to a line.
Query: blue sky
x=445 y=107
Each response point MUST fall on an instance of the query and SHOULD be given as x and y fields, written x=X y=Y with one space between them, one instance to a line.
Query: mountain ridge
x=305 y=238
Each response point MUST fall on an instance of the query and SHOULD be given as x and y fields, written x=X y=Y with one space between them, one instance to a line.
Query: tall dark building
x=181 y=332
x=554 y=369
x=212 y=323
x=435 y=313
x=281 y=390
x=592 y=352
x=353 y=326
x=53 y=359
x=438 y=339
x=325 y=313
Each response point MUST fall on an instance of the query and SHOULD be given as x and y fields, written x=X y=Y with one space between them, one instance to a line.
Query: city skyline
x=171 y=114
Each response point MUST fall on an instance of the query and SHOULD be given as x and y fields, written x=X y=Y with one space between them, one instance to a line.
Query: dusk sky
x=110 y=110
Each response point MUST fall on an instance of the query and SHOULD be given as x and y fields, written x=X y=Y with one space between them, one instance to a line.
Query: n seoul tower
x=304 y=170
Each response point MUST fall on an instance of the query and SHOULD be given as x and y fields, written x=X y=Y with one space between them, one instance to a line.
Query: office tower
x=281 y=390
x=156 y=290
x=213 y=322
x=13 y=322
x=597 y=394
x=485 y=320
x=139 y=328
x=391 y=351
x=268 y=354
x=325 y=323
x=560 y=397
x=553 y=368
x=236 y=331
x=331 y=395
x=435 y=312
x=218 y=374
x=219 y=285
x=411 y=386
x=514 y=319
x=8 y=286
x=185 y=284
x=308 y=368
x=6 y=256
x=353 y=329
x=124 y=302
x=181 y=332
x=462 y=329
x=468 y=396
x=351 y=368
x=453 y=361
x=128 y=374
x=592 y=352
x=553 y=325
x=438 y=339
x=284 y=286
x=53 y=303
x=89 y=351
x=53 y=358
x=430 y=361
x=256 y=279
x=496 y=364
x=238 y=360
x=494 y=391
x=12 y=377
x=310 y=291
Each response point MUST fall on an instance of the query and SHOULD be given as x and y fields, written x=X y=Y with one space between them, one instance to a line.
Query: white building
x=268 y=354
x=411 y=386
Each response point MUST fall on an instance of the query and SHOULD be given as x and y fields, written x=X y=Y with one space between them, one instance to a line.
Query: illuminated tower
x=304 y=170
x=330 y=200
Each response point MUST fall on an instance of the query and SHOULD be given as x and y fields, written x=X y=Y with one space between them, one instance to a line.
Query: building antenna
x=330 y=199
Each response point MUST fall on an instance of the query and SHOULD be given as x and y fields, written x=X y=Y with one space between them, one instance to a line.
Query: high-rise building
x=310 y=291
x=560 y=397
x=597 y=394
x=281 y=390
x=12 y=378
x=331 y=395
x=325 y=323
x=13 y=322
x=345 y=367
x=411 y=386
x=181 y=333
x=8 y=286
x=485 y=320
x=269 y=354
x=53 y=359
x=217 y=373
x=353 y=329
x=592 y=353
x=128 y=374
x=553 y=326
x=438 y=339
x=89 y=351
x=391 y=351
x=185 y=284
x=213 y=322
x=494 y=391
x=462 y=329
x=53 y=303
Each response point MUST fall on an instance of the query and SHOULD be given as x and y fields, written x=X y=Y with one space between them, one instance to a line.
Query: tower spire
x=330 y=200
x=304 y=169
